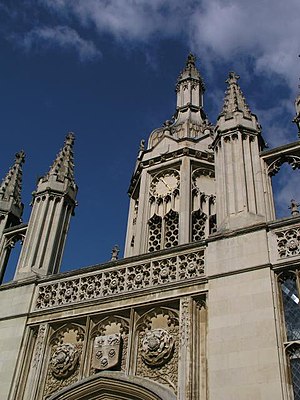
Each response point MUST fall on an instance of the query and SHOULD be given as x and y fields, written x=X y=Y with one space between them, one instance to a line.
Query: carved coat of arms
x=106 y=352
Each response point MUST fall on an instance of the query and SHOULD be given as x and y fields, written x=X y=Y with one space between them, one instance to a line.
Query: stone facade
x=205 y=304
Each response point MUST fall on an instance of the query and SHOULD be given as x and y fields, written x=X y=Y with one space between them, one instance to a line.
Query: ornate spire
x=63 y=166
x=11 y=185
x=234 y=99
x=190 y=72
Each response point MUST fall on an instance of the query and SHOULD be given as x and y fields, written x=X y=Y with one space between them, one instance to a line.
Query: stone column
x=192 y=375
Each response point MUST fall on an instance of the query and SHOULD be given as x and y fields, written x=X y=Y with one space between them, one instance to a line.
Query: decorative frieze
x=119 y=280
x=288 y=242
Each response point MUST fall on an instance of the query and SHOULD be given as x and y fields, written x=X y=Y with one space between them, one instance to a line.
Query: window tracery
x=203 y=203
x=155 y=225
x=163 y=208
x=171 y=229
x=289 y=296
x=198 y=225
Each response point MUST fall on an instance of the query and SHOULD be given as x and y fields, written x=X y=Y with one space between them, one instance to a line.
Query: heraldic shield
x=106 y=352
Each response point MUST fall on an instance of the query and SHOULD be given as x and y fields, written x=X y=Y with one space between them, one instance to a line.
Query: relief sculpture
x=106 y=351
x=157 y=346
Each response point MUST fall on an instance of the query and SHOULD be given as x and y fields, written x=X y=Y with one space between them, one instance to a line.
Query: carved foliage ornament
x=64 y=360
x=157 y=346
x=288 y=242
x=291 y=159
x=120 y=280
x=106 y=352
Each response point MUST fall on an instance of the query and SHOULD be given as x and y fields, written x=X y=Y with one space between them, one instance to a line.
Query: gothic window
x=10 y=250
x=163 y=233
x=163 y=208
x=284 y=190
x=155 y=224
x=289 y=289
x=203 y=204
x=171 y=229
x=198 y=225
x=212 y=224
x=293 y=353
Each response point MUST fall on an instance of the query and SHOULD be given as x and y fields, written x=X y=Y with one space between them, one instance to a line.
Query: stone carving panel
x=109 y=342
x=288 y=242
x=157 y=346
x=120 y=280
x=191 y=265
x=139 y=276
x=158 y=343
x=64 y=360
x=106 y=352
x=40 y=337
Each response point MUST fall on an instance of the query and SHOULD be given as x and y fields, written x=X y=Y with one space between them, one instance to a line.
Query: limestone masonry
x=205 y=303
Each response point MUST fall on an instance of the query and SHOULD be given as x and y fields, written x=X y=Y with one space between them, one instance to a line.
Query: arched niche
x=286 y=187
x=10 y=249
x=108 y=385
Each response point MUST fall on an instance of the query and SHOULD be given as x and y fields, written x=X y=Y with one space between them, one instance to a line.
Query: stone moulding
x=122 y=279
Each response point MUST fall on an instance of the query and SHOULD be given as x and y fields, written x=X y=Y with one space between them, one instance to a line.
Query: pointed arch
x=114 y=386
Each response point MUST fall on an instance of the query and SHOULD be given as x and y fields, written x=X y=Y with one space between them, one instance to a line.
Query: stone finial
x=191 y=61
x=190 y=72
x=232 y=78
x=11 y=185
x=115 y=253
x=142 y=145
x=234 y=100
x=63 y=165
x=294 y=207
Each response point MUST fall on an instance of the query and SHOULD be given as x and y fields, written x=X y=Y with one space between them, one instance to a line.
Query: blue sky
x=107 y=69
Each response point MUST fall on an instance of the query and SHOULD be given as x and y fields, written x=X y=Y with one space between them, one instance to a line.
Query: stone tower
x=11 y=208
x=205 y=304
x=172 y=191
x=237 y=145
x=52 y=206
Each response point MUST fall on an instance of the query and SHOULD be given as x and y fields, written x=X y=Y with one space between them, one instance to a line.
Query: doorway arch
x=114 y=386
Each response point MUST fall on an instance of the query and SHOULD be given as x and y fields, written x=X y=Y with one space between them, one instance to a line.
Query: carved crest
x=106 y=352
x=157 y=346
x=64 y=360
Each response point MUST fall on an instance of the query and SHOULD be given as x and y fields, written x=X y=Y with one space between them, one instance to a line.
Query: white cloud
x=61 y=36
x=267 y=31
x=137 y=20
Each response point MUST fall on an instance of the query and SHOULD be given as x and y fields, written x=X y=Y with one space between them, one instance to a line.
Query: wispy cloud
x=262 y=34
x=59 y=36
x=127 y=19
x=266 y=31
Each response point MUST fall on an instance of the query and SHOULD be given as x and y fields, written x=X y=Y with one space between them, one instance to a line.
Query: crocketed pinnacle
x=12 y=184
x=234 y=99
x=190 y=72
x=63 y=166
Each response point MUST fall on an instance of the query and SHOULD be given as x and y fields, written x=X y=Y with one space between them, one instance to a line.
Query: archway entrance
x=114 y=386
